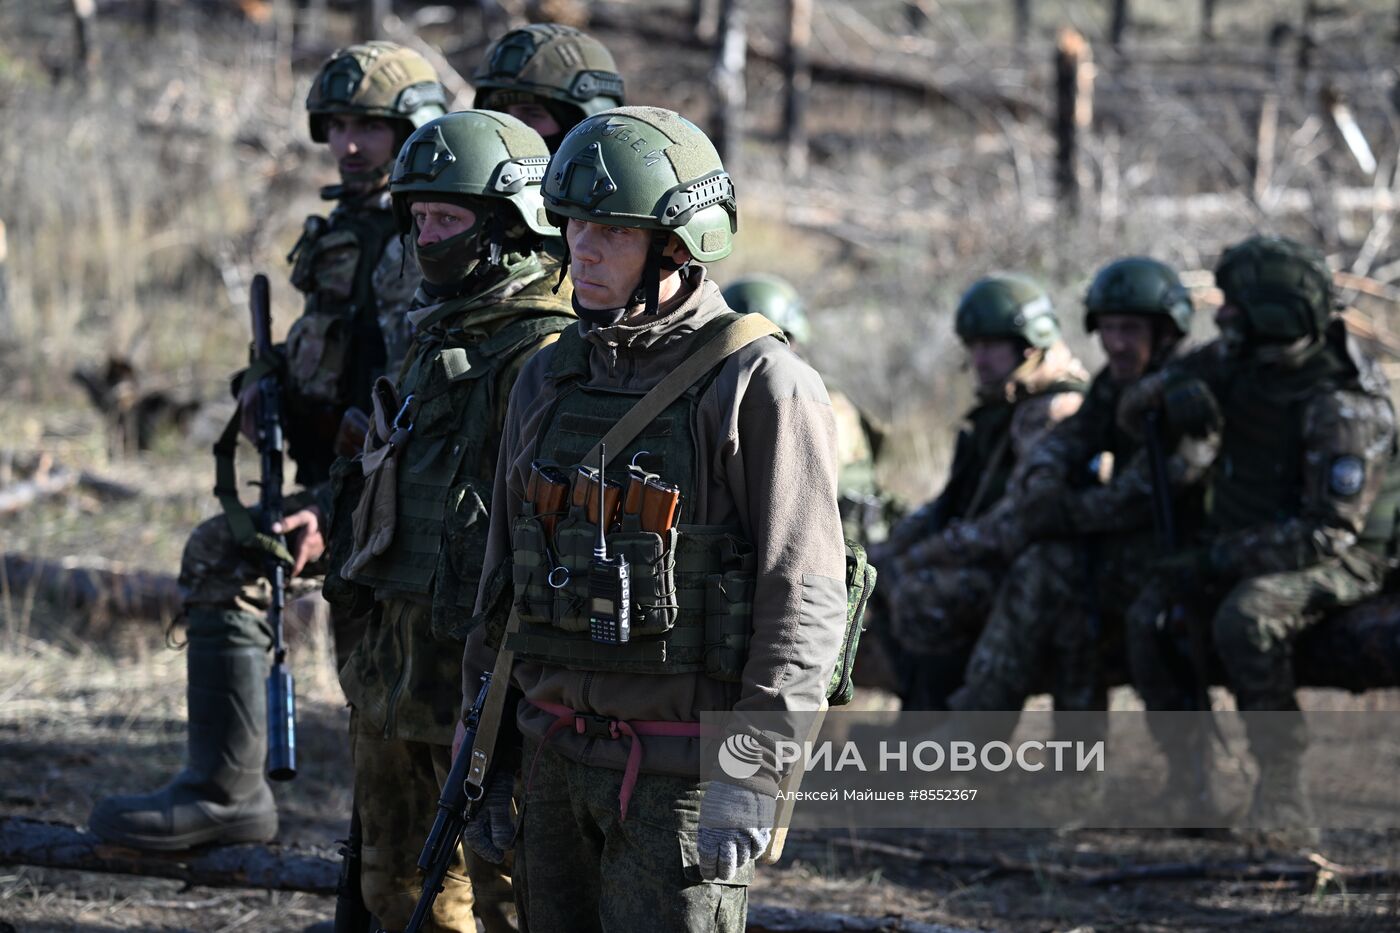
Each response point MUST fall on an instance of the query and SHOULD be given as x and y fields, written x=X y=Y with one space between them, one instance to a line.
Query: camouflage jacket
x=403 y=675
x=1308 y=445
x=358 y=282
x=1098 y=474
x=972 y=520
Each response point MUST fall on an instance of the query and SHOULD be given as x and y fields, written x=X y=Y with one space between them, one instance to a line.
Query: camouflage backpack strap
x=240 y=519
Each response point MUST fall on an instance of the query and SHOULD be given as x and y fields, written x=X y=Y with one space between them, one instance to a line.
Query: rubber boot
x=221 y=796
x=1188 y=800
x=1280 y=813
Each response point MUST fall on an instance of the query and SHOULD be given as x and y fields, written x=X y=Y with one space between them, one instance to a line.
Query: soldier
x=467 y=187
x=950 y=556
x=614 y=835
x=548 y=76
x=1057 y=619
x=1296 y=524
x=364 y=102
x=864 y=510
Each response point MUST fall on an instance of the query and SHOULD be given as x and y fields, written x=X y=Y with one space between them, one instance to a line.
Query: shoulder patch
x=1346 y=476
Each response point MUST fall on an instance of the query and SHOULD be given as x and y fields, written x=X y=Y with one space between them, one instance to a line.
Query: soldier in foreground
x=364 y=102
x=1301 y=507
x=1086 y=512
x=466 y=186
x=864 y=510
x=742 y=467
x=949 y=557
x=548 y=76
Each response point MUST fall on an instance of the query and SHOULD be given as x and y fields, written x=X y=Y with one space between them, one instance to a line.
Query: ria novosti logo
x=740 y=756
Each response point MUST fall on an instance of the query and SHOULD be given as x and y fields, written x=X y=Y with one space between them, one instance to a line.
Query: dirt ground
x=82 y=716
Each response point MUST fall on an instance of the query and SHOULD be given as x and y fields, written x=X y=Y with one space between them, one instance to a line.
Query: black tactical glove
x=1191 y=408
x=491 y=831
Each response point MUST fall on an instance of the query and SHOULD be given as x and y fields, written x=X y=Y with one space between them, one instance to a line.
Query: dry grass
x=136 y=215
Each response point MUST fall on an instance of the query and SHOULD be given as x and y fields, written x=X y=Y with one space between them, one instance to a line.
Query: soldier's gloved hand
x=491 y=831
x=735 y=826
x=1186 y=571
x=1138 y=399
x=1191 y=408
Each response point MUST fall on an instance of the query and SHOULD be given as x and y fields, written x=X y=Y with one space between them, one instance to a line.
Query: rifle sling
x=240 y=519
x=672 y=386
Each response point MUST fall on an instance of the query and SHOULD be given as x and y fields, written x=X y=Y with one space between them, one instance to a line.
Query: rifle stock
x=281 y=688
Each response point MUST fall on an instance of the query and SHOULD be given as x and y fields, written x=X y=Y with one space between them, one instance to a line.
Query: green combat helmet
x=1139 y=286
x=375 y=79
x=1002 y=307
x=775 y=299
x=648 y=168
x=486 y=161
x=1283 y=288
x=560 y=67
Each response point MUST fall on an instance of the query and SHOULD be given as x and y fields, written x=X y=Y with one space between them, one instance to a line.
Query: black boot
x=221 y=796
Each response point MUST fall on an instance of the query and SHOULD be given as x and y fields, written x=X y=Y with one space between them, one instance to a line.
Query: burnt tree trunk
x=1021 y=16
x=84 y=38
x=799 y=85
x=704 y=19
x=1118 y=25
x=1074 y=112
x=1208 y=20
x=370 y=23
x=727 y=83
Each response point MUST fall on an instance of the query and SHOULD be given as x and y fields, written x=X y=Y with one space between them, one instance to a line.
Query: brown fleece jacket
x=767 y=438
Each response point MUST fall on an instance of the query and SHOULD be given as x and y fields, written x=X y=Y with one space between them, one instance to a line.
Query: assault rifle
x=456 y=805
x=281 y=697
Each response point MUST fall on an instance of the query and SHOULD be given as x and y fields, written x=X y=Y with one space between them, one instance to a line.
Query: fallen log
x=278 y=868
x=98 y=588
x=291 y=868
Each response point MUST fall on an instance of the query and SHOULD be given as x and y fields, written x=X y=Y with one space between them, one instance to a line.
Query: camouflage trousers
x=397 y=784
x=579 y=867
x=1056 y=624
x=216 y=573
x=1251 y=625
x=936 y=616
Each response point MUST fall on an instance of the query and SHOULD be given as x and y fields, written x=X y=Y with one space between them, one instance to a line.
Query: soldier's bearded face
x=1127 y=341
x=995 y=360
x=360 y=144
x=606 y=262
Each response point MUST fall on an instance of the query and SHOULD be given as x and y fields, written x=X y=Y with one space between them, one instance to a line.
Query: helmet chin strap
x=648 y=290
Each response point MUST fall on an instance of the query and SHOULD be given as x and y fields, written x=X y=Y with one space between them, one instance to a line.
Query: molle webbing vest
x=451 y=402
x=1259 y=478
x=692 y=587
x=335 y=348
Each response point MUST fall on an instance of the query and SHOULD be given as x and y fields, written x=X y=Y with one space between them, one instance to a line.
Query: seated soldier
x=1058 y=617
x=864 y=510
x=951 y=554
x=1299 y=511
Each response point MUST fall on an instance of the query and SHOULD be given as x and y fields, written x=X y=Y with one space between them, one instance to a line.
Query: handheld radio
x=609 y=581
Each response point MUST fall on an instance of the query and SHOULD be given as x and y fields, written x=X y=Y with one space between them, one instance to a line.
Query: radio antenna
x=600 y=550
